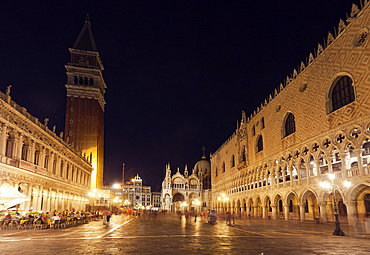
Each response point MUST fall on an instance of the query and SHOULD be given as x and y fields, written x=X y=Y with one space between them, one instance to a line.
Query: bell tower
x=84 y=123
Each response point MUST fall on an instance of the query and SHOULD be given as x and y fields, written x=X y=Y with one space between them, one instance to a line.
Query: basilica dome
x=202 y=167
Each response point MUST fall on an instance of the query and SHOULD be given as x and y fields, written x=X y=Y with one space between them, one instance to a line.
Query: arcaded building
x=316 y=123
x=38 y=163
x=57 y=171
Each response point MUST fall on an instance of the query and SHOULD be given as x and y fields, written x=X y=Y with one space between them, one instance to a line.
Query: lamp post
x=184 y=204
x=197 y=204
x=127 y=203
x=224 y=199
x=93 y=195
x=331 y=187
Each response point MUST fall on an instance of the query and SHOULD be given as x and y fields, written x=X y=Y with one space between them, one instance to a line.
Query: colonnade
x=48 y=198
x=25 y=152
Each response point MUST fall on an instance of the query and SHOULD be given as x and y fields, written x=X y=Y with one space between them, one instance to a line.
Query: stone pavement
x=171 y=235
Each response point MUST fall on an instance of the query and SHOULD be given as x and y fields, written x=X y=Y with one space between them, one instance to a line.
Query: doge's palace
x=38 y=163
x=314 y=123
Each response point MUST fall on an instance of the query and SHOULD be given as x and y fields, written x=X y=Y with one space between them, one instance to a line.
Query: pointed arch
x=289 y=125
x=259 y=144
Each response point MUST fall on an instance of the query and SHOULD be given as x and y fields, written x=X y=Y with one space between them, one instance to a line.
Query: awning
x=10 y=196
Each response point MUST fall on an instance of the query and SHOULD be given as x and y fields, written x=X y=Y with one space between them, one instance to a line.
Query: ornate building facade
x=56 y=172
x=136 y=194
x=84 y=124
x=317 y=122
x=38 y=163
x=184 y=192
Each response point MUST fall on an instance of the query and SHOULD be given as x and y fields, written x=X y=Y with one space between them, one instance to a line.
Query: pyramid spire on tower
x=85 y=40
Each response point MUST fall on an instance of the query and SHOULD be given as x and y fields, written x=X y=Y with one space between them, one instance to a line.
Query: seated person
x=40 y=217
x=54 y=218
x=31 y=217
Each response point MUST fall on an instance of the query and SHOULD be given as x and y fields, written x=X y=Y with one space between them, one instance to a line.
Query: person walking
x=105 y=214
x=233 y=216
x=228 y=218
x=109 y=215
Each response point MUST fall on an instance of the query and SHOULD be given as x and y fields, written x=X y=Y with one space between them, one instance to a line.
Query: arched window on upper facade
x=342 y=93
x=259 y=144
x=232 y=161
x=253 y=130
x=289 y=125
x=262 y=123
x=223 y=167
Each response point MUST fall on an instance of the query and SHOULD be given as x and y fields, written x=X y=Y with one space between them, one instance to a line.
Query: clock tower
x=84 y=123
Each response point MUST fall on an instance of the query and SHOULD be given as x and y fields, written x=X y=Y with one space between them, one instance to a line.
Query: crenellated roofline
x=312 y=57
x=343 y=26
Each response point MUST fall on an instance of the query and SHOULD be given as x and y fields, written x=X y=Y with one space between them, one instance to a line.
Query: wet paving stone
x=168 y=234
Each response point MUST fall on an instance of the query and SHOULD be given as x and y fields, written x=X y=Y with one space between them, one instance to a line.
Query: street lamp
x=197 y=203
x=126 y=203
x=331 y=187
x=93 y=196
x=224 y=199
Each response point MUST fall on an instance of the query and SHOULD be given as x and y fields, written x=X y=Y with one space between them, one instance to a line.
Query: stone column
x=51 y=162
x=323 y=217
x=283 y=172
x=78 y=180
x=64 y=199
x=263 y=212
x=35 y=199
x=58 y=170
x=48 y=203
x=29 y=194
x=255 y=212
x=274 y=212
x=32 y=160
x=286 y=212
x=242 y=210
x=56 y=206
x=317 y=163
x=330 y=167
x=343 y=164
x=308 y=172
x=3 y=139
x=42 y=157
x=302 y=211
x=351 y=213
x=359 y=160
x=19 y=147
x=299 y=174
x=39 y=199
x=290 y=169
x=247 y=211
x=272 y=180
x=13 y=147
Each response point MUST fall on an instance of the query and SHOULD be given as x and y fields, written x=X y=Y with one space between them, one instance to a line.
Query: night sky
x=178 y=73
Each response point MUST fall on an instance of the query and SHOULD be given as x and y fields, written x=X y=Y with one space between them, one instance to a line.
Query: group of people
x=47 y=218
x=229 y=217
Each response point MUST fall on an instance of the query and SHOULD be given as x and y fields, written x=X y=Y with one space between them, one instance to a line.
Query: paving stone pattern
x=168 y=234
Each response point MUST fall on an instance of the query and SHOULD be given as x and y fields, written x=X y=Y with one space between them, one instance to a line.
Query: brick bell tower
x=84 y=124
